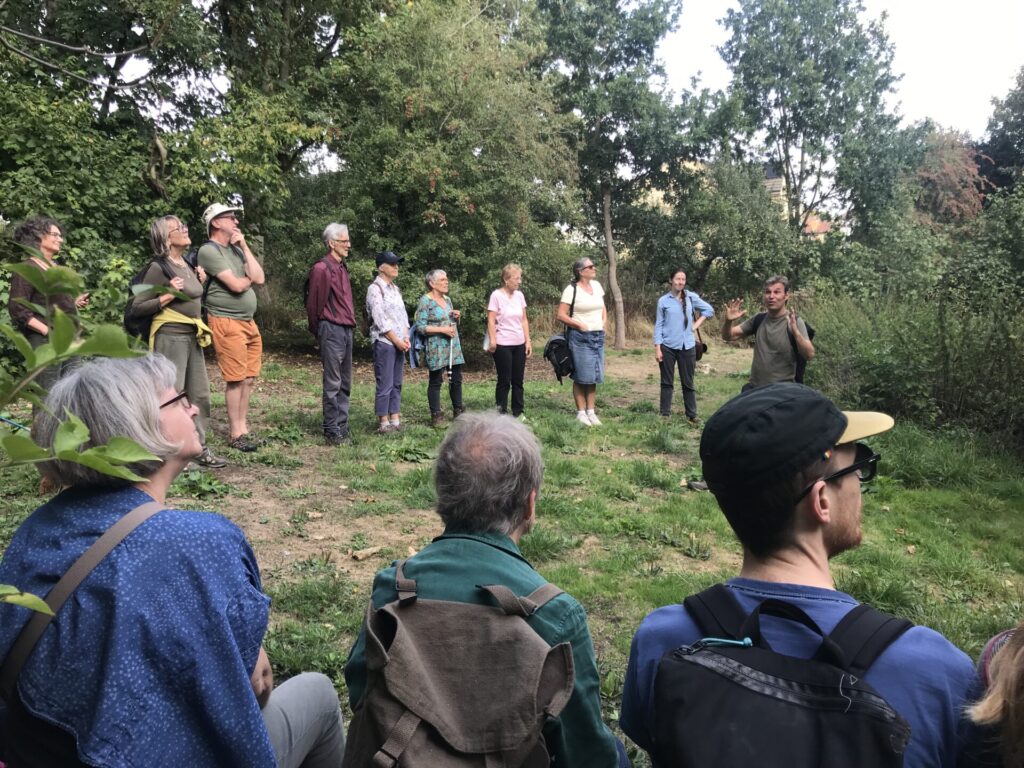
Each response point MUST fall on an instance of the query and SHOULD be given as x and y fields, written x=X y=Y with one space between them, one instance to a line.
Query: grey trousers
x=184 y=351
x=336 y=353
x=686 y=361
x=303 y=720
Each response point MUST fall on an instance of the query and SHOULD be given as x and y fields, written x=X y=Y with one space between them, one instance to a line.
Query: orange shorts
x=239 y=347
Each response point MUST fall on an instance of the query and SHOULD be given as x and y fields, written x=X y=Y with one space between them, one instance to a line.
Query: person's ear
x=819 y=503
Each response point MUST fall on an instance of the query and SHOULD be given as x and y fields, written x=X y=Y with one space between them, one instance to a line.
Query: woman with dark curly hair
x=45 y=236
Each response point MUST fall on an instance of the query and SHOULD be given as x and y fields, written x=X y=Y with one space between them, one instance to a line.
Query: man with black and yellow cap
x=785 y=466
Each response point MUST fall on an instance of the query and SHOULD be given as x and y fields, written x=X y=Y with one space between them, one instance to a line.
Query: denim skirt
x=587 y=348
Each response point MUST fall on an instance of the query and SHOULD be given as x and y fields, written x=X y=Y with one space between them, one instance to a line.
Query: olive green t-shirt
x=774 y=359
x=215 y=258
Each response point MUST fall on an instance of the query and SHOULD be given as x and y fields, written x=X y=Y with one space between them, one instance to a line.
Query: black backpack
x=139 y=325
x=458 y=684
x=801 y=363
x=730 y=701
x=557 y=352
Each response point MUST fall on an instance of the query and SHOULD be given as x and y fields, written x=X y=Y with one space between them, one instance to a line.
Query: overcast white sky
x=955 y=55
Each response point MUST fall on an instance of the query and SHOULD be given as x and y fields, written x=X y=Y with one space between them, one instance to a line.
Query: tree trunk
x=613 y=279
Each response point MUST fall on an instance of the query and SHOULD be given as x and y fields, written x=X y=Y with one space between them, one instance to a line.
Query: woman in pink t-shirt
x=508 y=333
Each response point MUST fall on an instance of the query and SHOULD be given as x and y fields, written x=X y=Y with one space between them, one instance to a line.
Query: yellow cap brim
x=861 y=424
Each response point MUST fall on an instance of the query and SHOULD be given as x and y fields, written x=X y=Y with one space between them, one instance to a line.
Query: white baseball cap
x=215 y=210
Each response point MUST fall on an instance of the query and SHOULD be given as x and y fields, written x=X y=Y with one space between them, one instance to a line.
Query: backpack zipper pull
x=715 y=642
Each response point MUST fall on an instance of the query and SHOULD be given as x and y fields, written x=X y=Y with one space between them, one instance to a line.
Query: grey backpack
x=458 y=684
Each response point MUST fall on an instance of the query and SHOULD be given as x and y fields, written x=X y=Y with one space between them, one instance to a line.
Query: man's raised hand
x=734 y=310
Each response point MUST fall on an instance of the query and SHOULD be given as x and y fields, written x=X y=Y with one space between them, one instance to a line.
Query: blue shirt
x=673 y=326
x=148 y=663
x=922 y=675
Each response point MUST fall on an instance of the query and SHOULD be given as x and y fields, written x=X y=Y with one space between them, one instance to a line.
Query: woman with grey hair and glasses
x=436 y=320
x=157 y=657
x=176 y=328
x=582 y=310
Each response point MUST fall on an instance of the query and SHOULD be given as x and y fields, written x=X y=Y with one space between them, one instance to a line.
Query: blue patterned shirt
x=429 y=312
x=149 y=661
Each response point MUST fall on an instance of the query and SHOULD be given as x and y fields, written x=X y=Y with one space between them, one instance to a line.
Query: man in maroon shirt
x=332 y=319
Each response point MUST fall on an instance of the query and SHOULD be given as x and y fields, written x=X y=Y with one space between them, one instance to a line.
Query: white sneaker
x=593 y=418
x=582 y=418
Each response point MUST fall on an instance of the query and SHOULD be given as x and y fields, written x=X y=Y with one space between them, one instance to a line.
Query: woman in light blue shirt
x=675 y=342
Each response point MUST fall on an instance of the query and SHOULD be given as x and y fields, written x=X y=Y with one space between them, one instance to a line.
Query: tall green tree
x=1004 y=144
x=812 y=77
x=451 y=149
x=601 y=59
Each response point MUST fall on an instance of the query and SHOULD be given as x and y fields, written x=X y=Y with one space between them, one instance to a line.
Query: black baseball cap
x=388 y=257
x=773 y=432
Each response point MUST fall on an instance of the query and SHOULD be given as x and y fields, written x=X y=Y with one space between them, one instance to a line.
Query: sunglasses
x=865 y=465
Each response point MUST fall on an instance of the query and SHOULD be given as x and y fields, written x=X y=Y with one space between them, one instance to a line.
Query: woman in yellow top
x=178 y=329
x=584 y=314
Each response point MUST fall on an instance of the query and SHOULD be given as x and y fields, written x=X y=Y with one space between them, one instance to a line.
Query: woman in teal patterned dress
x=436 y=322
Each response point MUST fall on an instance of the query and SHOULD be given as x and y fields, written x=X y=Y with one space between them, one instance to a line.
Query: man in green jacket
x=486 y=510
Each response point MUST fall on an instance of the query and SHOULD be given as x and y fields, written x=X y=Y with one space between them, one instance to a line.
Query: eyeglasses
x=182 y=396
x=590 y=266
x=58 y=234
x=226 y=216
x=865 y=465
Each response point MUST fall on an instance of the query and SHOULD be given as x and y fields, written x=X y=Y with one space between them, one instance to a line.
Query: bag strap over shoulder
x=55 y=599
x=406 y=588
x=864 y=633
x=514 y=605
x=717 y=612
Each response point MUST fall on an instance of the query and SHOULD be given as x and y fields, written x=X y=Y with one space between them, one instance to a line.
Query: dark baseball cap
x=388 y=257
x=773 y=432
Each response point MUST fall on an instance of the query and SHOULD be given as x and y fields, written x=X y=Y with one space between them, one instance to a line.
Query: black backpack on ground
x=139 y=325
x=801 y=363
x=458 y=685
x=730 y=701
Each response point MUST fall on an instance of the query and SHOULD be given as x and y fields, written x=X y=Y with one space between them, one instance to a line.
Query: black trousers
x=434 y=389
x=510 y=363
x=686 y=361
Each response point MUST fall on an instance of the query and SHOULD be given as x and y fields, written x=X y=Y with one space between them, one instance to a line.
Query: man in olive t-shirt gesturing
x=231 y=304
x=774 y=354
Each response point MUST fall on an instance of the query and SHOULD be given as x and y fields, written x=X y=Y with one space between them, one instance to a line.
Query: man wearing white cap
x=231 y=303
x=786 y=466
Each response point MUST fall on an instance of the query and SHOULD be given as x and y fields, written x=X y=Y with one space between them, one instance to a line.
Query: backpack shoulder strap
x=168 y=272
x=406 y=588
x=514 y=605
x=55 y=599
x=758 y=319
x=716 y=611
x=864 y=633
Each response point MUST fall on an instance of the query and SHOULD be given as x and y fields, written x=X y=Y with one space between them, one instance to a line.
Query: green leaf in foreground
x=70 y=434
x=109 y=341
x=21 y=449
x=9 y=594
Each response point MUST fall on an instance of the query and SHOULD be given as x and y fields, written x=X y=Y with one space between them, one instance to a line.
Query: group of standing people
x=213 y=300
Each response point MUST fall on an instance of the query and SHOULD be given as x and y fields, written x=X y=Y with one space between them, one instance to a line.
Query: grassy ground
x=618 y=527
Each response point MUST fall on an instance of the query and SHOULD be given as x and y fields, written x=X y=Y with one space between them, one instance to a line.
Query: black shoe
x=244 y=443
x=697 y=485
x=693 y=420
x=336 y=440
